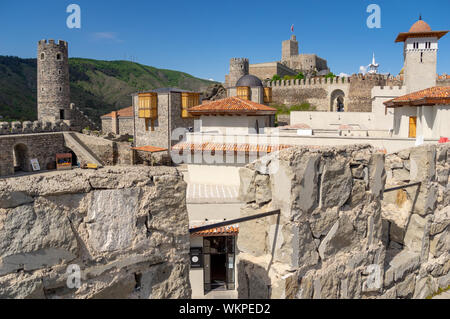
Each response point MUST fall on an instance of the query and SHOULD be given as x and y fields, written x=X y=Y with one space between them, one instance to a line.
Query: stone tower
x=420 y=54
x=238 y=68
x=289 y=48
x=53 y=96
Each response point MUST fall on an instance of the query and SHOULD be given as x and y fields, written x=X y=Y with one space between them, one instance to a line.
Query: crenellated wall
x=322 y=92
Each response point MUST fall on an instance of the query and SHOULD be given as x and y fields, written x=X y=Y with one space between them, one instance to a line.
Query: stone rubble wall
x=416 y=220
x=330 y=240
x=126 y=229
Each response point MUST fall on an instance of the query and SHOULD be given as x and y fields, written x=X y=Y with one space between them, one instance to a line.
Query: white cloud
x=106 y=36
x=211 y=80
x=343 y=75
x=363 y=69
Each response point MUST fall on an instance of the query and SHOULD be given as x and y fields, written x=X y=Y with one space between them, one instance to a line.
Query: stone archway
x=21 y=158
x=337 y=101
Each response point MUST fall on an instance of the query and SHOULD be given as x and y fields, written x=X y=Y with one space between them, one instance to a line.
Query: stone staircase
x=83 y=152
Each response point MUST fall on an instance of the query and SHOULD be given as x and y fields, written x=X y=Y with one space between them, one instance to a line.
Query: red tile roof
x=431 y=96
x=126 y=112
x=420 y=26
x=232 y=105
x=151 y=149
x=219 y=231
x=420 y=29
x=224 y=147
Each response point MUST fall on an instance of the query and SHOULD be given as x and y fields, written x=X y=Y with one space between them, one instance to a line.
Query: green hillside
x=97 y=87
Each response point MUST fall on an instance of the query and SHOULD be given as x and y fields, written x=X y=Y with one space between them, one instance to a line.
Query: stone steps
x=80 y=149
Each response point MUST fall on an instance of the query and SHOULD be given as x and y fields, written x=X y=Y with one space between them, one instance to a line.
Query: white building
x=424 y=114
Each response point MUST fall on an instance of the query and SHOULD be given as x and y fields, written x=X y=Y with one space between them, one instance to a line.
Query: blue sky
x=199 y=37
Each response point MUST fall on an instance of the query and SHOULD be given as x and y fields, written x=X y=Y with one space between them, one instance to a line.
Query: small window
x=61 y=115
x=421 y=57
x=60 y=89
x=58 y=56
x=42 y=56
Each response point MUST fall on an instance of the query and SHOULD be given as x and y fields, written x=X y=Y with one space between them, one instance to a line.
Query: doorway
x=412 y=126
x=219 y=257
x=21 y=162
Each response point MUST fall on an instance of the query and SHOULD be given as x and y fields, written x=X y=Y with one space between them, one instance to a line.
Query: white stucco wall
x=433 y=122
x=233 y=124
x=378 y=119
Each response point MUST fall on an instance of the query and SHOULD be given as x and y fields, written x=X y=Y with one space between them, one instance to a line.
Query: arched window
x=58 y=56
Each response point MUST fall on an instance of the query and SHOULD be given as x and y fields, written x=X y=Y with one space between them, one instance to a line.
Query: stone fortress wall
x=125 y=230
x=337 y=236
x=322 y=92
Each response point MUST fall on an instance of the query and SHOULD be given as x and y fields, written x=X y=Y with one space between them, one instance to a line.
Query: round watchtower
x=238 y=68
x=53 y=81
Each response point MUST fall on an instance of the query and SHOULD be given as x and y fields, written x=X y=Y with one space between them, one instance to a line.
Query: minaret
x=420 y=54
x=373 y=67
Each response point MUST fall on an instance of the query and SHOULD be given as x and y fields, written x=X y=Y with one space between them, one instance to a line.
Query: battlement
x=51 y=42
x=388 y=91
x=239 y=60
x=320 y=81
x=28 y=127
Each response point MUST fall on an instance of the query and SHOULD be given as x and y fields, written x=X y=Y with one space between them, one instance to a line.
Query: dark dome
x=249 y=80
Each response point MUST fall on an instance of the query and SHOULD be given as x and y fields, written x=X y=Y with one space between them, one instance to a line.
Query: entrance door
x=412 y=126
x=219 y=263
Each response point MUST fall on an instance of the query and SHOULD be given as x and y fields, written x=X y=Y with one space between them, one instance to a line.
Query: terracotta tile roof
x=224 y=147
x=420 y=26
x=151 y=149
x=219 y=231
x=420 y=29
x=126 y=112
x=232 y=105
x=431 y=96
x=443 y=77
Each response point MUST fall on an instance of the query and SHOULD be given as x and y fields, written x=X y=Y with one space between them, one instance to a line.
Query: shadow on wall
x=253 y=281
x=21 y=158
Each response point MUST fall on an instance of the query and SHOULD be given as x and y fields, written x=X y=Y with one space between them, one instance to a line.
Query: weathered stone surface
x=402 y=264
x=440 y=243
x=405 y=289
x=441 y=220
x=336 y=184
x=377 y=174
x=263 y=194
x=322 y=221
x=118 y=234
x=393 y=161
x=423 y=163
x=425 y=287
x=108 y=227
x=401 y=175
x=415 y=233
x=247 y=185
x=31 y=239
x=10 y=199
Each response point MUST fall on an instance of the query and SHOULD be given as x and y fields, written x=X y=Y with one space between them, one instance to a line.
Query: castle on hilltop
x=291 y=64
